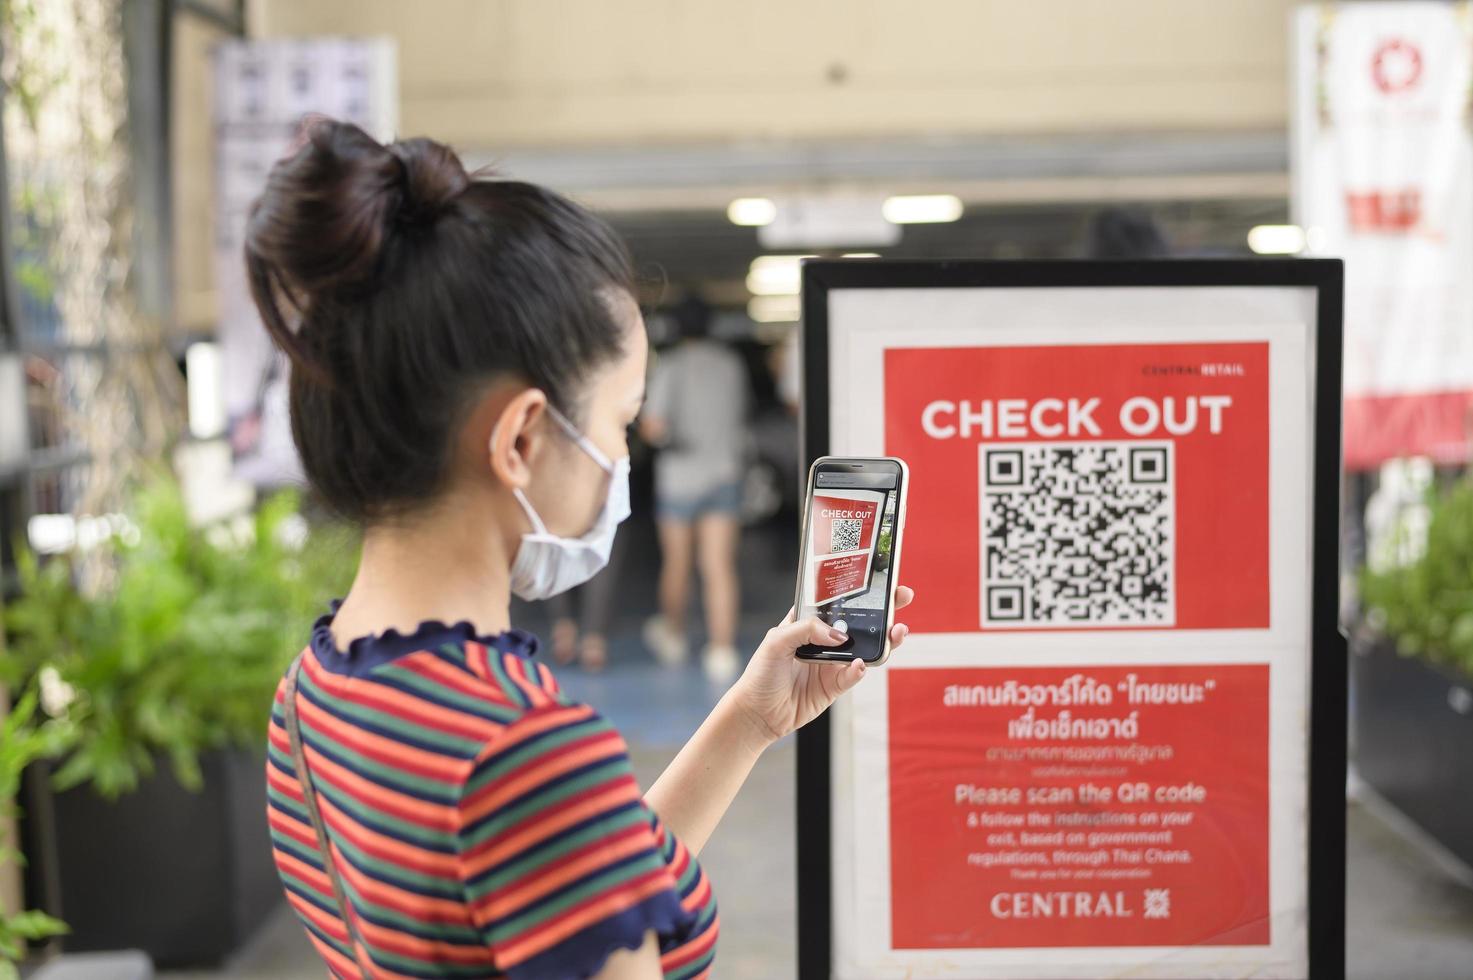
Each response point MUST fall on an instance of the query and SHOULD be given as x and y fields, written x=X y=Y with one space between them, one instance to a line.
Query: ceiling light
x=751 y=212
x=1276 y=239
x=775 y=275
x=918 y=209
x=860 y=255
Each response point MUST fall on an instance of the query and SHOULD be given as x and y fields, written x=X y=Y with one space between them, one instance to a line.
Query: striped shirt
x=483 y=824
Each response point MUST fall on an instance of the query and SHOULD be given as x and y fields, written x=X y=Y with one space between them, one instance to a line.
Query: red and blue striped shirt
x=483 y=823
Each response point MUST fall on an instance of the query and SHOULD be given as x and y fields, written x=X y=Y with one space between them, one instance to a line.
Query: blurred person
x=696 y=415
x=581 y=616
x=467 y=356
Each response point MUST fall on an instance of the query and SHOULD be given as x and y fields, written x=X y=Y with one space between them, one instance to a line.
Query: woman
x=697 y=415
x=467 y=357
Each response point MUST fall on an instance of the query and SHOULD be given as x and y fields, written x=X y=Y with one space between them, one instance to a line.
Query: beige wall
x=580 y=79
x=499 y=73
x=193 y=174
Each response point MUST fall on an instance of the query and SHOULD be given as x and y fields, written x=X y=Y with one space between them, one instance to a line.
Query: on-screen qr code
x=1078 y=534
x=844 y=534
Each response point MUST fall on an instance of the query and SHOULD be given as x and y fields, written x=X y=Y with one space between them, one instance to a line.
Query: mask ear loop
x=537 y=526
x=582 y=441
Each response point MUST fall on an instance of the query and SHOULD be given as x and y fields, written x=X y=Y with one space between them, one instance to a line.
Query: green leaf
x=179 y=655
x=35 y=925
x=1427 y=606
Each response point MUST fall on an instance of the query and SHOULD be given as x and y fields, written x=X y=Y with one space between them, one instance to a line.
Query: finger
x=789 y=637
x=850 y=674
x=898 y=633
x=792 y=615
x=904 y=596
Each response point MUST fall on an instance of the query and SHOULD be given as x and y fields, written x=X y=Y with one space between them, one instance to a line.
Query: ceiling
x=703 y=249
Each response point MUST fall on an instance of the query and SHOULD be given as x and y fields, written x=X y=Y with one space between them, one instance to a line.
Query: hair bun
x=328 y=214
x=433 y=178
x=330 y=209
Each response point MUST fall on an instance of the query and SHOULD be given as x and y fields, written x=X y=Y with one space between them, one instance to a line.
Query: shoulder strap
x=309 y=797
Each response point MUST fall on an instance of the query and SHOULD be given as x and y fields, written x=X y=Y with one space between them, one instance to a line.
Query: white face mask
x=546 y=563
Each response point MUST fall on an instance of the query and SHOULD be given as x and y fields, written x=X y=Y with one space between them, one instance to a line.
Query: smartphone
x=853 y=519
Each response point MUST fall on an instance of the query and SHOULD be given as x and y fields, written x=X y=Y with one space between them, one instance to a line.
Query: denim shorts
x=725 y=498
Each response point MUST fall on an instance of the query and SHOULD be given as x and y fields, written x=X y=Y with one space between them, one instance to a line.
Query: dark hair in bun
x=400 y=285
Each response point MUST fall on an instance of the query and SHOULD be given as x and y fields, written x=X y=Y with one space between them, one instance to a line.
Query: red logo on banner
x=1079 y=806
x=1383 y=211
x=1396 y=66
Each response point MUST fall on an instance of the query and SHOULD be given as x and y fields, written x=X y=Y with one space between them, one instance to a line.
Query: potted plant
x=22 y=741
x=163 y=675
x=1413 y=719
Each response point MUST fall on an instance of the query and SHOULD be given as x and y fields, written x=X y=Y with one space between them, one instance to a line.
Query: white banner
x=1383 y=177
x=975 y=838
x=263 y=89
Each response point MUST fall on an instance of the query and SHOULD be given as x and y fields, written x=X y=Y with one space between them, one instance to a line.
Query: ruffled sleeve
x=559 y=858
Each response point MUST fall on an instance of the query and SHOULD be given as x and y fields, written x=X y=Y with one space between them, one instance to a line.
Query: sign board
x=1383 y=178
x=1114 y=742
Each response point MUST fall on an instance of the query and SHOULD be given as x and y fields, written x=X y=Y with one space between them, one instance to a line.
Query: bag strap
x=309 y=797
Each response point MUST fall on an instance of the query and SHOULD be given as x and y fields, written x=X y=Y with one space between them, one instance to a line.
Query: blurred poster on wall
x=264 y=90
x=1091 y=757
x=1383 y=177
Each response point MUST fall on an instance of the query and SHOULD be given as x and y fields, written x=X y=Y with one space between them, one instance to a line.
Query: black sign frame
x=1326 y=834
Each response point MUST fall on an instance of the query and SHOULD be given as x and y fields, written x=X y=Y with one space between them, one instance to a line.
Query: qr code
x=1078 y=534
x=844 y=533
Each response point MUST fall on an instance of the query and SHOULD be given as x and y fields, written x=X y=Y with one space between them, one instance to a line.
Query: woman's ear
x=517 y=437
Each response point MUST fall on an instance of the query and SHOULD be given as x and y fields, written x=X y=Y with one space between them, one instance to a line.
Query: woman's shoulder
x=456 y=655
x=508 y=667
x=442 y=687
x=552 y=805
x=551 y=791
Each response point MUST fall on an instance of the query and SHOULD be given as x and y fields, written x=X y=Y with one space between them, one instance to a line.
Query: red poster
x=840 y=576
x=844 y=523
x=1058 y=487
x=1079 y=806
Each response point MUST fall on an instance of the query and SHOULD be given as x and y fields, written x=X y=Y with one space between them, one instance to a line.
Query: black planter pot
x=185 y=877
x=1414 y=741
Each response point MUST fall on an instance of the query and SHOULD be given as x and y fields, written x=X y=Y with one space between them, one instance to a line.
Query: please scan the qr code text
x=1077 y=534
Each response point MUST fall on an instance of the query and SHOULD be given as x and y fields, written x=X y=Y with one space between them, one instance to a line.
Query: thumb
x=785 y=639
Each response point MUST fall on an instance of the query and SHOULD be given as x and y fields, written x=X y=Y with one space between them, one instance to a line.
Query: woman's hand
x=777 y=693
x=781 y=693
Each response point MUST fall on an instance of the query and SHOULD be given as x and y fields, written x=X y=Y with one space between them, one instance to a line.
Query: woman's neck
x=449 y=565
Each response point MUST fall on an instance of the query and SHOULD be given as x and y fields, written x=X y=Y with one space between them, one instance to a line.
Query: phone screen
x=848 y=551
